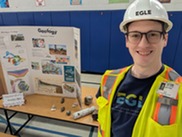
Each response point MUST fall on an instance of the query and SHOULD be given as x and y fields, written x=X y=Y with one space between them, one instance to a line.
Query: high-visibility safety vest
x=152 y=121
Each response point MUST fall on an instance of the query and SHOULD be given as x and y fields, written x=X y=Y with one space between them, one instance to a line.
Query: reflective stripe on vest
x=166 y=108
x=173 y=75
x=109 y=81
x=101 y=131
x=107 y=85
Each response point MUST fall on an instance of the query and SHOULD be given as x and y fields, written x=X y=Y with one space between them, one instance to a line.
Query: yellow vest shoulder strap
x=166 y=108
x=108 y=81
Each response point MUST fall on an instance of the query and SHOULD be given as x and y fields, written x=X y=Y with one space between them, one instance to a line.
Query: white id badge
x=168 y=89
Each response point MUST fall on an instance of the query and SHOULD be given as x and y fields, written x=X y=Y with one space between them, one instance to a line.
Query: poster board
x=2 y=82
x=44 y=60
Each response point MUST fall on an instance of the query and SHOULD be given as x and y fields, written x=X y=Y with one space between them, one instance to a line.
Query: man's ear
x=126 y=41
x=165 y=39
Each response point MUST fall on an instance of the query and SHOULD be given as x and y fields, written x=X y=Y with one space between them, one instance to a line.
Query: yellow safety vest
x=145 y=125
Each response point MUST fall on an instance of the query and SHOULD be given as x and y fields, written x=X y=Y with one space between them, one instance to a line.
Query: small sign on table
x=14 y=99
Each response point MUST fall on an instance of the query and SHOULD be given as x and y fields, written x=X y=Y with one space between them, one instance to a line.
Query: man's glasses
x=152 y=37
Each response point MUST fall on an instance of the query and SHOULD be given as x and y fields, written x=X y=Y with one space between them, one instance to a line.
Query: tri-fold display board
x=43 y=60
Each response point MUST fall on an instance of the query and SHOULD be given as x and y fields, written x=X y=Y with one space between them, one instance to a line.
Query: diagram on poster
x=44 y=60
x=15 y=64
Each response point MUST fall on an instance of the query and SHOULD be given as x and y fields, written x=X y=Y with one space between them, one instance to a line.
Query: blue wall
x=102 y=43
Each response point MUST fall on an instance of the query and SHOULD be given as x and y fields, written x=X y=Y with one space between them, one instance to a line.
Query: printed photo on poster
x=4 y=3
x=69 y=89
x=118 y=1
x=56 y=49
x=19 y=81
x=40 y=3
x=14 y=58
x=16 y=71
x=62 y=59
x=50 y=67
x=35 y=65
x=75 y=2
x=69 y=73
x=165 y=1
x=76 y=48
x=38 y=42
x=48 y=86
x=17 y=37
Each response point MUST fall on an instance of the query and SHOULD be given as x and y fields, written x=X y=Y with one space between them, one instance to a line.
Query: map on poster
x=44 y=60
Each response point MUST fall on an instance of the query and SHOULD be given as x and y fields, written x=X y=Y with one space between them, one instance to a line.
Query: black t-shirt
x=127 y=103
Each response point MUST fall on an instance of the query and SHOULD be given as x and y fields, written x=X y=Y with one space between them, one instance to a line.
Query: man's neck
x=144 y=72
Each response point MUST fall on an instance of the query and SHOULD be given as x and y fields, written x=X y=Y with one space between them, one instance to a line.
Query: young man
x=144 y=99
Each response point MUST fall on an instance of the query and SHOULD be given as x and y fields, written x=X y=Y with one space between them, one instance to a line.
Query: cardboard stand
x=43 y=60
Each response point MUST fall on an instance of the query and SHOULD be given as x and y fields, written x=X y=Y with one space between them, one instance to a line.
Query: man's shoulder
x=116 y=71
x=173 y=74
